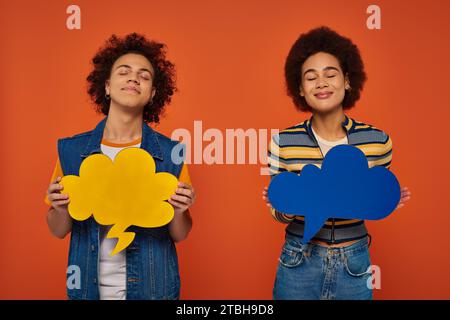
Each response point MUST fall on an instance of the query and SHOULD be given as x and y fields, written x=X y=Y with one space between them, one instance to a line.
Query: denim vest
x=151 y=259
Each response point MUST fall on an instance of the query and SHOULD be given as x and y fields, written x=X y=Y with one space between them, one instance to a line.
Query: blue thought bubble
x=345 y=187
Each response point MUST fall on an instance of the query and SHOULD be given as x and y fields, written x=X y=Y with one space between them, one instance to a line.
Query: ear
x=347 y=82
x=107 y=86
x=302 y=94
x=153 y=93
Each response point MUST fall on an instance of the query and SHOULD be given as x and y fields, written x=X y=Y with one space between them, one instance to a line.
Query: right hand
x=59 y=201
x=265 y=197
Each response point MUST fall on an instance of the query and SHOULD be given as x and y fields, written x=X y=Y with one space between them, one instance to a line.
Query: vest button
x=92 y=247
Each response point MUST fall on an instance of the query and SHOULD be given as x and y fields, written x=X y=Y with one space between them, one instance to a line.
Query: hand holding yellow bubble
x=121 y=193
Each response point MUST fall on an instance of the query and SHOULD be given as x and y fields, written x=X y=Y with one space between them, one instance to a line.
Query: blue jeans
x=313 y=272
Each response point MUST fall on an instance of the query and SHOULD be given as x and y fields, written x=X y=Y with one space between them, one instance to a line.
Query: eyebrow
x=127 y=66
x=324 y=69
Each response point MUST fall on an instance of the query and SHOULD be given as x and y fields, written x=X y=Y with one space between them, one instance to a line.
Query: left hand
x=183 y=198
x=405 y=196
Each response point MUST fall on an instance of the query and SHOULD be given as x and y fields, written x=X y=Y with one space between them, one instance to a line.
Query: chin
x=324 y=108
x=130 y=104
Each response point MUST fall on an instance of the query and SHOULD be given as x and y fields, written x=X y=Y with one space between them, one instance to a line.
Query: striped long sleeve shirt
x=296 y=146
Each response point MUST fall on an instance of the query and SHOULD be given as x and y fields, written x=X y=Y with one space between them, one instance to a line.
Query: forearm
x=180 y=226
x=59 y=222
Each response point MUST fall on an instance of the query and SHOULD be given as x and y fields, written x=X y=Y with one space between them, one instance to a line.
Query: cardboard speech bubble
x=123 y=192
x=345 y=187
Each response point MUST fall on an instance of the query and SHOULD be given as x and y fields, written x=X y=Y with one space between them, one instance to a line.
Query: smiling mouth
x=323 y=95
x=131 y=90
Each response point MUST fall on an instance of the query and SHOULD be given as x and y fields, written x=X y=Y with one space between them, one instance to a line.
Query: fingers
x=184 y=185
x=57 y=196
x=58 y=179
x=405 y=191
x=184 y=192
x=182 y=199
x=60 y=203
x=55 y=186
x=265 y=197
x=54 y=194
x=178 y=205
x=404 y=196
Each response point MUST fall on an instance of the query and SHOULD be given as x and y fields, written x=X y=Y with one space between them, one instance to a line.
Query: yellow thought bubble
x=121 y=193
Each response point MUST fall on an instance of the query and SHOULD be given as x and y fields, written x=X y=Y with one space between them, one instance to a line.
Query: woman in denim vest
x=324 y=75
x=131 y=83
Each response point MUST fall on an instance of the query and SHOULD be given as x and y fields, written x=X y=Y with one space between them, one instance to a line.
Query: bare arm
x=58 y=218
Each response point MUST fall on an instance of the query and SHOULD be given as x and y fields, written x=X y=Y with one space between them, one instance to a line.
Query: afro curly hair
x=115 y=47
x=323 y=39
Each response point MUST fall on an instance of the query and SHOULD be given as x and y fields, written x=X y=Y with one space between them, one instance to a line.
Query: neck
x=122 y=126
x=329 y=125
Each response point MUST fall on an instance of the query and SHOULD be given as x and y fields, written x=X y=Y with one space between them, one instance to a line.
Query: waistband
x=317 y=249
x=331 y=235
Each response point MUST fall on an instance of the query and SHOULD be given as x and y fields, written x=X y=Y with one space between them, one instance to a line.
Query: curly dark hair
x=323 y=39
x=115 y=47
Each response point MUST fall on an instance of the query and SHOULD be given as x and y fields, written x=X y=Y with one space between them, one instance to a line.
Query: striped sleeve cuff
x=281 y=217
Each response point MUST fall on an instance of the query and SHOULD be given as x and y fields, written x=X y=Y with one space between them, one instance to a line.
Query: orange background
x=229 y=56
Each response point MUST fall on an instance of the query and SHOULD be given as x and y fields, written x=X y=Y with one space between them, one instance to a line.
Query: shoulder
x=367 y=133
x=164 y=140
x=296 y=135
x=299 y=127
x=77 y=137
x=170 y=148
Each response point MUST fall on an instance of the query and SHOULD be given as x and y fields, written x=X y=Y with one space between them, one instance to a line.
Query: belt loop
x=370 y=240
x=306 y=249
x=342 y=254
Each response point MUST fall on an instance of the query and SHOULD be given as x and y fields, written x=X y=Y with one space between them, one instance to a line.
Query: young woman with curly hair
x=131 y=83
x=324 y=75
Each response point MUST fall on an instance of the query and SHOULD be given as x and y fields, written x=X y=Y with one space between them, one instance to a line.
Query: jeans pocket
x=291 y=254
x=358 y=265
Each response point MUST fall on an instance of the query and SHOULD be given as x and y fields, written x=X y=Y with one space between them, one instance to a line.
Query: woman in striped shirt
x=324 y=75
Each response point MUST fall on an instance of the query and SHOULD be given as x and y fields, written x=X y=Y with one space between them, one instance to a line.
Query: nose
x=321 y=83
x=133 y=77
